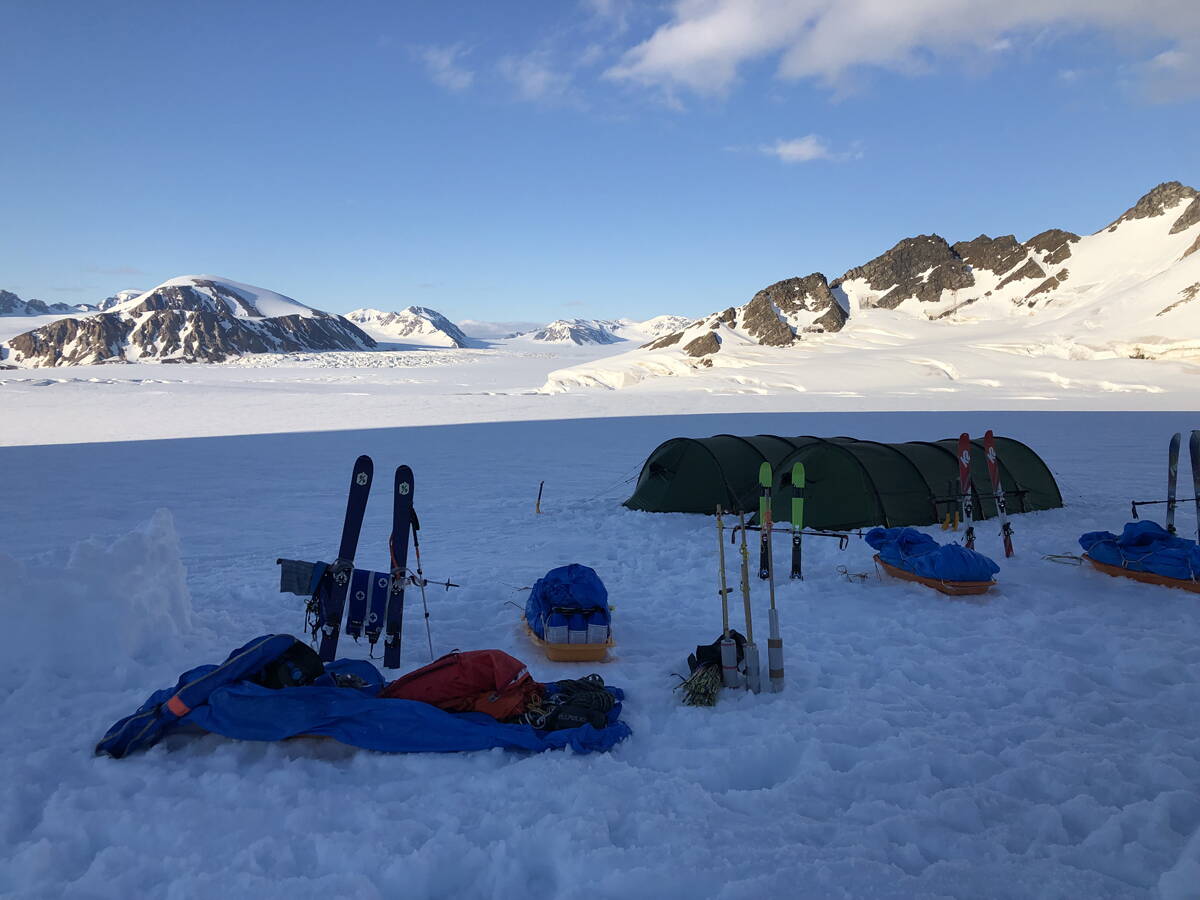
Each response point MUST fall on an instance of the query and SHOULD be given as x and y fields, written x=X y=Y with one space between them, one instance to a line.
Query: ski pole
x=416 y=528
x=729 y=672
x=537 y=507
x=750 y=649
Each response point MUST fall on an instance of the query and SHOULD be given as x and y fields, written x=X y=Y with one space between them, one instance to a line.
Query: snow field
x=1042 y=744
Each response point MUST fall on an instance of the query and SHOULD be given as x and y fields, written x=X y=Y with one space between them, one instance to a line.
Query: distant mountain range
x=195 y=318
x=414 y=325
x=206 y=318
x=1130 y=290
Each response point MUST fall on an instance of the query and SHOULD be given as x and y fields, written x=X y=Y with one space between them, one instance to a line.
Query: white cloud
x=534 y=77
x=809 y=148
x=706 y=42
x=799 y=150
x=442 y=65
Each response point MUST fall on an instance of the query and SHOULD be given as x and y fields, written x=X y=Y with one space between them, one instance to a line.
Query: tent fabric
x=1145 y=547
x=229 y=703
x=850 y=483
x=916 y=552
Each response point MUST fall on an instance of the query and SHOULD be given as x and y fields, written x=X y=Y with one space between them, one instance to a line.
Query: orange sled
x=1144 y=577
x=953 y=588
x=572 y=652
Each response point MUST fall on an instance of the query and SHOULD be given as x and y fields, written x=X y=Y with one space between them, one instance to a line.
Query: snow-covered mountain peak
x=413 y=325
x=577 y=331
x=215 y=294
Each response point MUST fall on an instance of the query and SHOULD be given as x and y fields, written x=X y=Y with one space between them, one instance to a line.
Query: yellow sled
x=572 y=652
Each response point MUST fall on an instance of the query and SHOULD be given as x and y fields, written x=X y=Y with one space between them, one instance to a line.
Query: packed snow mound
x=12 y=305
x=413 y=325
x=194 y=318
x=109 y=605
x=1130 y=290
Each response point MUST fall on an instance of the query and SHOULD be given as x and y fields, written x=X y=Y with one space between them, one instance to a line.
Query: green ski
x=797 y=519
x=764 y=520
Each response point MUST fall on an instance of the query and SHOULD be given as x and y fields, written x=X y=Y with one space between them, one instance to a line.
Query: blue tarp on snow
x=223 y=700
x=1145 y=547
x=916 y=552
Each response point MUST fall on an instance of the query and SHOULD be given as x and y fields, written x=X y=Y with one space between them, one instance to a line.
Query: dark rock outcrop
x=1030 y=270
x=921 y=267
x=995 y=254
x=1054 y=242
x=703 y=345
x=765 y=316
x=1157 y=202
x=71 y=342
x=1190 y=217
x=1049 y=284
x=667 y=340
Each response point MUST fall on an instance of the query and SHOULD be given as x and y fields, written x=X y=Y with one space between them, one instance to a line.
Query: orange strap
x=178 y=707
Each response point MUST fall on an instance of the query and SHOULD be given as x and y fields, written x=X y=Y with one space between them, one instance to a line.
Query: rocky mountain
x=576 y=331
x=930 y=278
x=414 y=325
x=12 y=305
x=194 y=318
x=1129 y=290
x=607 y=331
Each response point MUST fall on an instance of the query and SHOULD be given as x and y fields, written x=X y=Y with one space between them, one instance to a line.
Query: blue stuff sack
x=571 y=596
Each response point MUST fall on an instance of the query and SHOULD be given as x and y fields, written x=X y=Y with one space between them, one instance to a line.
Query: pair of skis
x=765 y=565
x=966 y=502
x=375 y=599
x=1173 y=478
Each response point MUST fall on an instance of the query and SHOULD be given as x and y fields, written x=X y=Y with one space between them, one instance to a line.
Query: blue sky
x=596 y=158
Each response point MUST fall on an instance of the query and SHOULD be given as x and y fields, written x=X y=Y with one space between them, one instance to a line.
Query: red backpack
x=487 y=681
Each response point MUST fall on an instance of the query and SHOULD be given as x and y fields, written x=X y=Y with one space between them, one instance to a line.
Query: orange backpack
x=486 y=681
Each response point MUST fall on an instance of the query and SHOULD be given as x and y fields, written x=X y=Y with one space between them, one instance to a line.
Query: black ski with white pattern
x=329 y=601
x=402 y=520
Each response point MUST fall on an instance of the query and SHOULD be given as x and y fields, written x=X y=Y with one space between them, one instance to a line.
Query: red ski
x=966 y=503
x=989 y=447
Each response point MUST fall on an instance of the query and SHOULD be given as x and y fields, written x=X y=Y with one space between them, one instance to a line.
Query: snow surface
x=1043 y=744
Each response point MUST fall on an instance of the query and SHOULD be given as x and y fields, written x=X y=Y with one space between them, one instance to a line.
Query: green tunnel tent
x=850 y=483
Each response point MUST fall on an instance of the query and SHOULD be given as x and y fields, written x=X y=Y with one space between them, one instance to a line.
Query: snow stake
x=729 y=670
x=774 y=638
x=749 y=649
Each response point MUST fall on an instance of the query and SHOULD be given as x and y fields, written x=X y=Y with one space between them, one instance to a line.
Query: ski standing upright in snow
x=330 y=597
x=402 y=514
x=729 y=671
x=965 y=502
x=1006 y=532
x=797 y=520
x=1194 y=453
x=749 y=649
x=1173 y=474
x=774 y=637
